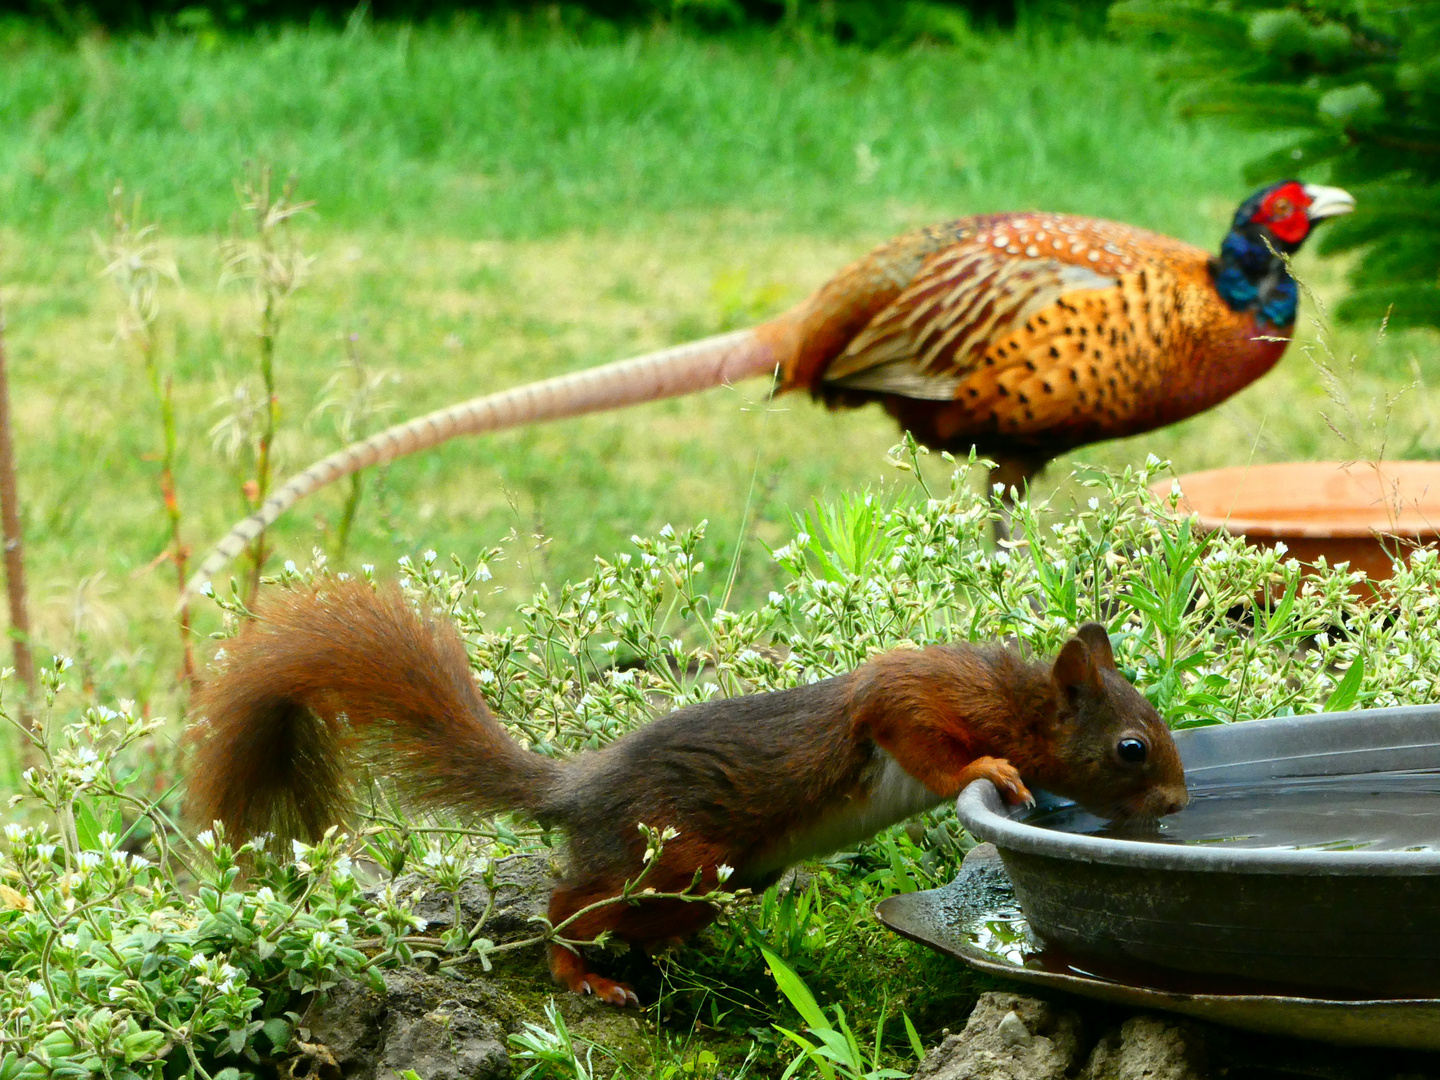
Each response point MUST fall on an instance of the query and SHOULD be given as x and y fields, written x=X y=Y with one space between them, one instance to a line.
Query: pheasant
x=1023 y=335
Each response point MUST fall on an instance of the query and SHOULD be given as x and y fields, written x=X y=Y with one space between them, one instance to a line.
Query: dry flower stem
x=10 y=527
x=137 y=269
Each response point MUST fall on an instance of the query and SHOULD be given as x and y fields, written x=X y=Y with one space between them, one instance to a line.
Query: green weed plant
x=130 y=950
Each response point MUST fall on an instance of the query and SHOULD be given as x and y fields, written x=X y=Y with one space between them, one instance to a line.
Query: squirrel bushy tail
x=336 y=677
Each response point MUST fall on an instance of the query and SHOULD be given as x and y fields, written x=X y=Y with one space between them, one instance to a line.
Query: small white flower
x=290 y=567
x=206 y=839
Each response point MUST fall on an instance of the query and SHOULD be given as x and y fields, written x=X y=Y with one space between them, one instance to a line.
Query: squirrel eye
x=1131 y=750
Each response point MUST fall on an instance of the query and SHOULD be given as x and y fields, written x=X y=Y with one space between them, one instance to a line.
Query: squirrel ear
x=1097 y=640
x=1074 y=667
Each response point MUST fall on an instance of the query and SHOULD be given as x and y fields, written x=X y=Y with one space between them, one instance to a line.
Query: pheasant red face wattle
x=1283 y=212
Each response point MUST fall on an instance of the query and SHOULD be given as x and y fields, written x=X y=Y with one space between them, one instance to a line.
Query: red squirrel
x=344 y=673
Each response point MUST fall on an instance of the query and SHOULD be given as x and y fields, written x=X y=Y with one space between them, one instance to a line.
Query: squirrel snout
x=1170 y=799
x=1154 y=803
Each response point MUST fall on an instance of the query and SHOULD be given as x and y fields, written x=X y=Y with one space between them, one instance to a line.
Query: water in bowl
x=1392 y=811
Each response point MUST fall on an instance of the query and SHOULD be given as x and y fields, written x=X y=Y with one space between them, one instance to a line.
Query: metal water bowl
x=1340 y=944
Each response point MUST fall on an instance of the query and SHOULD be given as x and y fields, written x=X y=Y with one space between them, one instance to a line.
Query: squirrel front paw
x=1005 y=778
x=607 y=990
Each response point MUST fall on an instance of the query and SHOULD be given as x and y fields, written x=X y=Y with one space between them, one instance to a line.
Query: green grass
x=406 y=130
x=490 y=210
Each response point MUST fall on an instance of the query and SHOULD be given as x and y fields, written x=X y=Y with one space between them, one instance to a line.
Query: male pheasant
x=1024 y=335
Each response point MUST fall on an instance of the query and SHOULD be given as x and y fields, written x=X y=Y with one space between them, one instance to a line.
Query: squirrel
x=343 y=673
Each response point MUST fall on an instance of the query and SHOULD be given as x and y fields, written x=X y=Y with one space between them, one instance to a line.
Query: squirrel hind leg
x=569 y=968
x=648 y=924
x=572 y=972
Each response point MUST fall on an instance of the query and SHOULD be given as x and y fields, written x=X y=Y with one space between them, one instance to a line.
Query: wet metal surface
x=977 y=919
x=1397 y=811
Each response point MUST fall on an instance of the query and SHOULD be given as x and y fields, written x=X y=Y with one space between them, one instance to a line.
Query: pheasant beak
x=1326 y=202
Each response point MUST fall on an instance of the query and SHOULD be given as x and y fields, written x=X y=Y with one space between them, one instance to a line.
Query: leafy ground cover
x=143 y=964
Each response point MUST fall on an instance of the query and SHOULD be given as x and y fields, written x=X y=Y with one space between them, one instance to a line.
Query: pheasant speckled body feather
x=1024 y=335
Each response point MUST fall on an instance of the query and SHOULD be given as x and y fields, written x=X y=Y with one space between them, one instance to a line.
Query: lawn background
x=495 y=207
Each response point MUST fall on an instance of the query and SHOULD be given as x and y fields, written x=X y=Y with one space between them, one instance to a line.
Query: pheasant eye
x=1281 y=208
x=1131 y=750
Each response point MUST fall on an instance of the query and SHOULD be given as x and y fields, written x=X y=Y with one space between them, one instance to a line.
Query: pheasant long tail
x=683 y=369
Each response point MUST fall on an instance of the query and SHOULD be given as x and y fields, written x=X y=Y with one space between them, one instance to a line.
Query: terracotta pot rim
x=1279 y=528
x=1273 y=530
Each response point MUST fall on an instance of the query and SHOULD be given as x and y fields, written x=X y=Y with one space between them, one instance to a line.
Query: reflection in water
x=1005 y=935
x=1396 y=811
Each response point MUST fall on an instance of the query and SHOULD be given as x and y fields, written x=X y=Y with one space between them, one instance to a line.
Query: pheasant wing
x=935 y=333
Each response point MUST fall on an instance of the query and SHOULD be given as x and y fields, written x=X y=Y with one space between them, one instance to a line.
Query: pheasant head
x=1250 y=274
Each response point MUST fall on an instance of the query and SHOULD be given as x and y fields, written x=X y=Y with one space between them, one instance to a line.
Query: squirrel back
x=328 y=681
